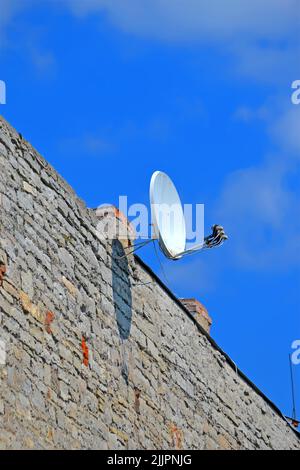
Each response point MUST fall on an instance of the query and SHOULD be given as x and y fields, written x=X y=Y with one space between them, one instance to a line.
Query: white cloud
x=196 y=19
x=262 y=195
x=43 y=60
x=9 y=9
x=247 y=114
x=286 y=130
x=263 y=36
x=7 y=12
x=262 y=216
x=260 y=206
x=87 y=145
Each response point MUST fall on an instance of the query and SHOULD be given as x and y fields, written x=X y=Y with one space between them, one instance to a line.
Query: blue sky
x=110 y=91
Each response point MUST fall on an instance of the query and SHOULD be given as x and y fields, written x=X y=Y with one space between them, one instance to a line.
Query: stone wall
x=96 y=357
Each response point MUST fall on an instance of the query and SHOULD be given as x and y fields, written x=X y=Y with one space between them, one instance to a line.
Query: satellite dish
x=168 y=222
x=167 y=215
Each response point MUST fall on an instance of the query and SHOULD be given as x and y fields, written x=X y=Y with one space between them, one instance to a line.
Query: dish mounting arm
x=215 y=239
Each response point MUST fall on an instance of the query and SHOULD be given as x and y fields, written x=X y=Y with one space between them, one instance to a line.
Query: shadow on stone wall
x=121 y=289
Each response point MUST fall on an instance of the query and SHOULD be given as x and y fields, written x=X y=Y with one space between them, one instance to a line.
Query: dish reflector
x=168 y=222
x=167 y=215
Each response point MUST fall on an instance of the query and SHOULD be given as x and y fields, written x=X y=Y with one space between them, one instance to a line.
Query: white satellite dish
x=168 y=222
x=167 y=215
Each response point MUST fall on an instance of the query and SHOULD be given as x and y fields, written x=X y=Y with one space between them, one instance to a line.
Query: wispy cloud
x=261 y=35
x=193 y=19
x=262 y=216
x=31 y=40
x=9 y=10
x=91 y=145
x=247 y=114
x=44 y=61
x=286 y=130
x=260 y=205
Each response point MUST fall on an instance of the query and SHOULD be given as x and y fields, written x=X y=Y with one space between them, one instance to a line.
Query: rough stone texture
x=199 y=312
x=94 y=359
